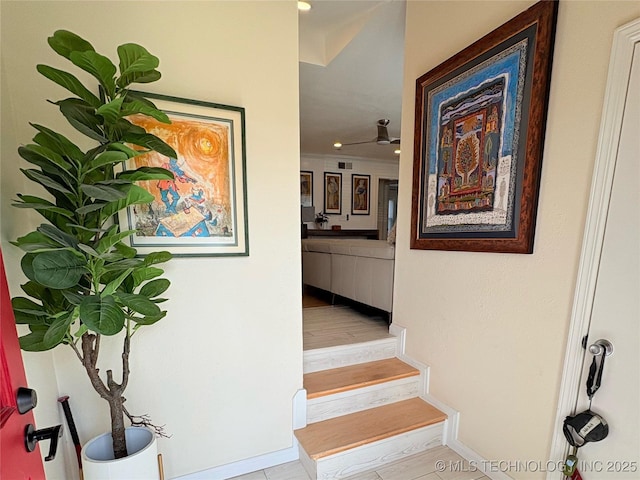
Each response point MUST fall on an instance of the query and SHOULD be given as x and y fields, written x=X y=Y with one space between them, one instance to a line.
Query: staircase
x=364 y=410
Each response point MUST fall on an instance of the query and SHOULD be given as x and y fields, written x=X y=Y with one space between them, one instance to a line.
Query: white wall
x=318 y=164
x=493 y=326
x=221 y=370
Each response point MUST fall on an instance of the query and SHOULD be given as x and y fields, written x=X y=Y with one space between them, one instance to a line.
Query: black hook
x=33 y=436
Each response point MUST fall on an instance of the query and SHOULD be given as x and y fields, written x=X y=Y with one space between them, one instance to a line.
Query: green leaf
x=59 y=269
x=58 y=330
x=111 y=111
x=33 y=241
x=26 y=264
x=135 y=106
x=45 y=158
x=45 y=180
x=114 y=284
x=139 y=77
x=130 y=152
x=103 y=192
x=149 y=320
x=82 y=117
x=89 y=208
x=142 y=275
x=126 y=251
x=72 y=297
x=97 y=65
x=138 y=303
x=146 y=173
x=44 y=207
x=135 y=58
x=124 y=264
x=25 y=305
x=107 y=158
x=155 y=287
x=58 y=235
x=88 y=250
x=135 y=195
x=34 y=342
x=57 y=142
x=102 y=314
x=157 y=257
x=111 y=239
x=70 y=82
x=64 y=42
x=151 y=142
x=22 y=318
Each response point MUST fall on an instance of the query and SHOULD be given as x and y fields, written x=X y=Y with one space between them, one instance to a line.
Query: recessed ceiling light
x=397 y=151
x=304 y=6
x=337 y=145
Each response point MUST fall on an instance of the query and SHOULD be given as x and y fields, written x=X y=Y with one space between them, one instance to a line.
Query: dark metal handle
x=33 y=436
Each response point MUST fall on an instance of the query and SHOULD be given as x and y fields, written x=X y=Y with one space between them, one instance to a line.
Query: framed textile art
x=360 y=194
x=306 y=189
x=203 y=211
x=479 y=134
x=332 y=193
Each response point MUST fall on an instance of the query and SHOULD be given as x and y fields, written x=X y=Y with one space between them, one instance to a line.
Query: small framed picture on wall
x=306 y=189
x=332 y=193
x=360 y=194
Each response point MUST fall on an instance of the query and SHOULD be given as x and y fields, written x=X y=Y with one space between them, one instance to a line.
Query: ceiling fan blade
x=358 y=143
x=395 y=141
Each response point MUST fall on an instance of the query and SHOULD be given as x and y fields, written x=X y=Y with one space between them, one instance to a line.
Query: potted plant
x=84 y=282
x=321 y=219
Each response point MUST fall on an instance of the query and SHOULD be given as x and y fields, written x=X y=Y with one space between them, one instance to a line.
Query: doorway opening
x=387 y=205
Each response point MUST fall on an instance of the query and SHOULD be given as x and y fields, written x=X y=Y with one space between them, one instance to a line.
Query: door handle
x=601 y=346
x=33 y=436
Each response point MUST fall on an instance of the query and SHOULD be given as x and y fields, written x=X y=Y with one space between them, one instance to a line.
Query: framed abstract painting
x=203 y=210
x=479 y=135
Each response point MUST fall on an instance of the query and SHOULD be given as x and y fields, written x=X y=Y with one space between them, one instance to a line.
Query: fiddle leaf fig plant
x=85 y=281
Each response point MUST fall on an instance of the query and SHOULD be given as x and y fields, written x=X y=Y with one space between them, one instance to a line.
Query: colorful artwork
x=360 y=194
x=332 y=193
x=202 y=210
x=479 y=122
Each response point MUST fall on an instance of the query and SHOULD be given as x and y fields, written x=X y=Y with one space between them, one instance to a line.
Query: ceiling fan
x=382 y=138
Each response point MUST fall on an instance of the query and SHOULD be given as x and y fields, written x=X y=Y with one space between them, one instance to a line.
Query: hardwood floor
x=343 y=323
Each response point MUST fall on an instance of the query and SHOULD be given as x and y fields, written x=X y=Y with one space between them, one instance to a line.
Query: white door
x=610 y=308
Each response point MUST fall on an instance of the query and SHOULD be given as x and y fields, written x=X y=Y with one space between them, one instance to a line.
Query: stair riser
x=334 y=357
x=343 y=403
x=373 y=455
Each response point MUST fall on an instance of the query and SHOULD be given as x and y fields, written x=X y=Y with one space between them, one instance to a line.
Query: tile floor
x=440 y=463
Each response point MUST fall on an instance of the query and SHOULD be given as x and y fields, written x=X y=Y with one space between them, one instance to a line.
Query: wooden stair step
x=335 y=380
x=343 y=433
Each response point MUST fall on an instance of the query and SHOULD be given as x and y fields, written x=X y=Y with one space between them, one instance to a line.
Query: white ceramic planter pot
x=141 y=463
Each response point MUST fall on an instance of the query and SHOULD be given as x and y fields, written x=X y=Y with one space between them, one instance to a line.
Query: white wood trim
x=476 y=460
x=343 y=355
x=248 y=465
x=624 y=41
x=300 y=409
x=382 y=452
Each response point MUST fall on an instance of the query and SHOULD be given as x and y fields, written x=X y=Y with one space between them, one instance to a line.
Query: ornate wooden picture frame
x=479 y=135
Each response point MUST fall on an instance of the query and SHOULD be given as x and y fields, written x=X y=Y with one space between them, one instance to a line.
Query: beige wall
x=493 y=326
x=221 y=370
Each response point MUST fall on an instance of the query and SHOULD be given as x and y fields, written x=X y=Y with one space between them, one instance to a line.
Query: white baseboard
x=248 y=465
x=477 y=460
x=260 y=462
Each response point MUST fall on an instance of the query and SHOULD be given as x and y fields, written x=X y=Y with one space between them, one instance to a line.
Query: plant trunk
x=117 y=426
